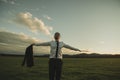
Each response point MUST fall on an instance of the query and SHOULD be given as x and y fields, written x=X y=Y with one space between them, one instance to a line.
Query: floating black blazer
x=28 y=58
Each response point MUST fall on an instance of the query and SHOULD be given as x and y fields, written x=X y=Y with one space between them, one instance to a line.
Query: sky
x=85 y=24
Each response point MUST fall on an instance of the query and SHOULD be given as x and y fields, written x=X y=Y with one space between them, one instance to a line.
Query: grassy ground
x=73 y=69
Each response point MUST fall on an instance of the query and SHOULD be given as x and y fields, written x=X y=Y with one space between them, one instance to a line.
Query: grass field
x=73 y=69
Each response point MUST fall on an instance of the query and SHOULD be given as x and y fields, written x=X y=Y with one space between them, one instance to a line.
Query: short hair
x=57 y=33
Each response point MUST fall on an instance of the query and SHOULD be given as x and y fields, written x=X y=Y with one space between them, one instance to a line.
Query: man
x=55 y=61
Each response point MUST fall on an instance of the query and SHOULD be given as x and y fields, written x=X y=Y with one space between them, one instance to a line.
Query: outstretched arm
x=42 y=44
x=70 y=47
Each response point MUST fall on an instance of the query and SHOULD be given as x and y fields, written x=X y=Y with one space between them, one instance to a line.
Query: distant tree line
x=81 y=55
x=93 y=55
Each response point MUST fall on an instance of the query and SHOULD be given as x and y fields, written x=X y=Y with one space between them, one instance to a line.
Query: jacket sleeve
x=42 y=44
x=70 y=47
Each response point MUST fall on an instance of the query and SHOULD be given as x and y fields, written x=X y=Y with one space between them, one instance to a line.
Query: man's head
x=57 y=36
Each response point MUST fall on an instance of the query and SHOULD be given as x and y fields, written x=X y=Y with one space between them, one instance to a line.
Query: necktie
x=57 y=42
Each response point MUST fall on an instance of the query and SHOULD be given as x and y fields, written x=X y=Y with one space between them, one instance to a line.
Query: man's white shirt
x=53 y=46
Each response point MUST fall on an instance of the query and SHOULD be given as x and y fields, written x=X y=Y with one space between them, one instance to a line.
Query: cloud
x=15 y=38
x=9 y=1
x=47 y=17
x=16 y=43
x=33 y=23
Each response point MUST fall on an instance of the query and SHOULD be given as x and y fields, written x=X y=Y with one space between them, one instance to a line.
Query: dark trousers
x=55 y=69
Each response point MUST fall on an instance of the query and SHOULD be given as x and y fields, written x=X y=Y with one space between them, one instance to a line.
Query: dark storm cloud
x=15 y=38
x=11 y=42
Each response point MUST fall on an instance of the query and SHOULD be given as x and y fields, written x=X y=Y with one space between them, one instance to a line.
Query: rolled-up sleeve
x=42 y=44
x=69 y=47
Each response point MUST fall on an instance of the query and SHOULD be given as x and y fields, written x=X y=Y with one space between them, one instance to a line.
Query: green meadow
x=73 y=69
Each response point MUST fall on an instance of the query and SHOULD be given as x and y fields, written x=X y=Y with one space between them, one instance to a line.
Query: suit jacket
x=28 y=58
